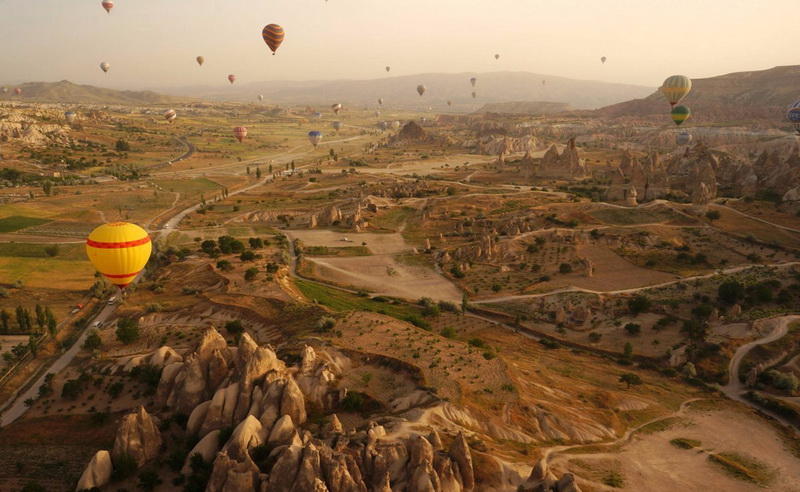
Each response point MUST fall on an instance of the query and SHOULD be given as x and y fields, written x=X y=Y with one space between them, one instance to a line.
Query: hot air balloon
x=108 y=5
x=380 y=101
x=261 y=97
x=273 y=35
x=70 y=116
x=231 y=78
x=336 y=108
x=396 y=124
x=383 y=125
x=675 y=88
x=603 y=59
x=170 y=115
x=200 y=60
x=421 y=89
x=449 y=103
x=105 y=67
x=315 y=137
x=684 y=138
x=544 y=82
x=497 y=56
x=18 y=91
x=474 y=94
x=318 y=115
x=240 y=133
x=337 y=125
x=388 y=68
x=793 y=115
x=473 y=81
x=680 y=114
x=5 y=90
x=119 y=251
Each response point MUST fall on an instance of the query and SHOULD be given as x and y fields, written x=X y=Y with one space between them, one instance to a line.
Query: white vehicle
x=112 y=300
x=97 y=324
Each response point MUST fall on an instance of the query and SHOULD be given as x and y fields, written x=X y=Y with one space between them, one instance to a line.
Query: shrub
x=250 y=274
x=449 y=332
x=325 y=324
x=234 y=328
x=127 y=330
x=633 y=329
x=565 y=268
x=638 y=304
x=92 y=341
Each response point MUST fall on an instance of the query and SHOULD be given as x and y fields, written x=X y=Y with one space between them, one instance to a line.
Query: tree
x=92 y=341
x=40 y=319
x=149 y=480
x=235 y=328
x=270 y=168
x=258 y=172
x=122 y=146
x=565 y=268
x=5 y=321
x=127 y=330
x=250 y=274
x=628 y=350
x=247 y=256
x=225 y=265
x=51 y=251
x=52 y=325
x=630 y=379
x=712 y=215
x=256 y=242
x=638 y=304
x=633 y=329
x=694 y=329
x=730 y=292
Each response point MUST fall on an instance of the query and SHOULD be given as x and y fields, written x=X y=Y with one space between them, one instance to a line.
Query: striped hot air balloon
x=119 y=251
x=315 y=137
x=170 y=115
x=676 y=88
x=680 y=114
x=108 y=5
x=273 y=35
x=240 y=133
x=200 y=60
x=793 y=115
x=231 y=78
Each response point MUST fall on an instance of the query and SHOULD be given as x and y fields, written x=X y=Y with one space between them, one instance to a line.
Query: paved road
x=16 y=410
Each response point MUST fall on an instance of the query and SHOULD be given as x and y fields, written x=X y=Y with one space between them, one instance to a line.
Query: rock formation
x=97 y=472
x=138 y=438
x=567 y=164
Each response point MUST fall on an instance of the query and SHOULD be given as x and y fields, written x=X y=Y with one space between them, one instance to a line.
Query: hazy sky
x=152 y=43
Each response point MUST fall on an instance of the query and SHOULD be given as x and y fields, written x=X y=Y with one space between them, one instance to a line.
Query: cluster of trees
x=23 y=322
x=230 y=245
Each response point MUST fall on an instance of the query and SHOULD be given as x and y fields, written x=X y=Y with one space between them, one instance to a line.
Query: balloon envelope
x=473 y=81
x=603 y=59
x=315 y=137
x=240 y=132
x=108 y=5
x=337 y=125
x=200 y=60
x=260 y=97
x=380 y=101
x=231 y=78
x=336 y=108
x=684 y=138
x=18 y=91
x=676 y=88
x=680 y=114
x=793 y=115
x=119 y=251
x=421 y=89
x=170 y=115
x=105 y=67
x=497 y=56
x=388 y=68
x=273 y=35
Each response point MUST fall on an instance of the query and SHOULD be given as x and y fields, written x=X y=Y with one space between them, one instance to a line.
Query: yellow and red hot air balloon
x=108 y=5
x=119 y=251
x=231 y=78
x=240 y=132
x=273 y=35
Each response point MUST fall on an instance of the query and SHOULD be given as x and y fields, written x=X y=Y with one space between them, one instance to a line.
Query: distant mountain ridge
x=400 y=91
x=738 y=96
x=525 y=107
x=67 y=92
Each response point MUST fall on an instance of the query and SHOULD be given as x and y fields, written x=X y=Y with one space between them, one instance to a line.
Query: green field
x=188 y=186
x=17 y=222
x=635 y=216
x=336 y=251
x=72 y=251
x=343 y=301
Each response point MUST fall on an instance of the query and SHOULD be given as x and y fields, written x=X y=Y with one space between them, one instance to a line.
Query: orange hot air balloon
x=18 y=91
x=240 y=132
x=273 y=35
x=119 y=251
x=108 y=5
x=231 y=78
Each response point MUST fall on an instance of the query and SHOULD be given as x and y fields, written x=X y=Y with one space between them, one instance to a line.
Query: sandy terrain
x=383 y=275
x=7 y=342
x=378 y=244
x=611 y=271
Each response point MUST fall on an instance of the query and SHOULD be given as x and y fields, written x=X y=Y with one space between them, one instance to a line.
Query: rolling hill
x=68 y=92
x=734 y=97
x=400 y=92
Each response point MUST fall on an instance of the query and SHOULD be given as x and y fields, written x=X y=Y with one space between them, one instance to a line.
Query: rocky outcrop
x=97 y=473
x=542 y=480
x=137 y=437
x=567 y=164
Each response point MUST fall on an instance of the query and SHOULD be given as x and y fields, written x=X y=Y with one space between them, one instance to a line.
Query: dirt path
x=757 y=219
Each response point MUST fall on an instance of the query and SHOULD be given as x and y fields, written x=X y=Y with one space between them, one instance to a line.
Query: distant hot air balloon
x=421 y=89
x=5 y=90
x=680 y=114
x=337 y=125
x=170 y=115
x=603 y=59
x=793 y=115
x=240 y=133
x=18 y=91
x=474 y=94
x=396 y=124
x=336 y=108
x=449 y=103
x=388 y=68
x=261 y=97
x=684 y=138
x=383 y=125
x=105 y=67
x=200 y=60
x=108 y=5
x=318 y=115
x=473 y=81
x=231 y=78
x=273 y=35
x=497 y=56
x=119 y=251
x=544 y=82
x=675 y=88
x=380 y=101
x=70 y=116
x=315 y=137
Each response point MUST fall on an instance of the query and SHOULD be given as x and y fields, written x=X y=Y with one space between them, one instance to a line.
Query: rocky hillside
x=762 y=94
x=525 y=107
x=68 y=92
